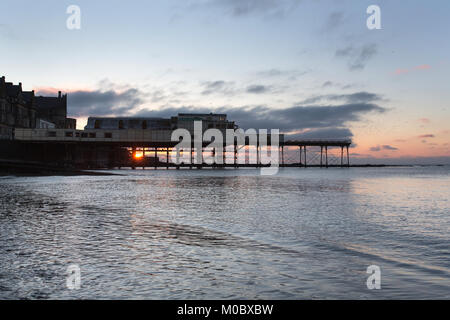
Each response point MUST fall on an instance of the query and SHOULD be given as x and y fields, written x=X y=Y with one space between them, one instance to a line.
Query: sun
x=138 y=155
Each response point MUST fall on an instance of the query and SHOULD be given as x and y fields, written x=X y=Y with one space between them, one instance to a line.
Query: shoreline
x=21 y=168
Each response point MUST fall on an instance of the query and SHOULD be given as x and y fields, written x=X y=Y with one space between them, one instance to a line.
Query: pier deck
x=135 y=148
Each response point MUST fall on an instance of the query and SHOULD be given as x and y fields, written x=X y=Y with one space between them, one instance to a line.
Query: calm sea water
x=228 y=234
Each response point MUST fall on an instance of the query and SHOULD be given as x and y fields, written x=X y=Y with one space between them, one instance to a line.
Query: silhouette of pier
x=97 y=149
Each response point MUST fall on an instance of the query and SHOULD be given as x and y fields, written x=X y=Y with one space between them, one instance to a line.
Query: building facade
x=17 y=108
x=182 y=121
x=54 y=109
x=22 y=109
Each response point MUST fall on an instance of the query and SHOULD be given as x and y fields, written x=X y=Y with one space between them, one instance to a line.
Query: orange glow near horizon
x=423 y=137
x=138 y=155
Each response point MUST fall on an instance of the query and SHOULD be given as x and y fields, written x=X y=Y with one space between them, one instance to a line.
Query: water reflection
x=227 y=234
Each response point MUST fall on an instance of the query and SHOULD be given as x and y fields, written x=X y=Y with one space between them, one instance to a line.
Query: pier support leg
x=300 y=156
x=167 y=158
x=304 y=150
x=235 y=156
x=321 y=152
x=143 y=158
x=156 y=157
x=258 y=155
x=348 y=159
x=326 y=156
x=200 y=165
x=342 y=157
x=224 y=155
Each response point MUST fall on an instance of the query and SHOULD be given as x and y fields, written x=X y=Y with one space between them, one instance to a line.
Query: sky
x=310 y=68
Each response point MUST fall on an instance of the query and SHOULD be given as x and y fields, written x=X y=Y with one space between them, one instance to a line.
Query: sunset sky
x=310 y=68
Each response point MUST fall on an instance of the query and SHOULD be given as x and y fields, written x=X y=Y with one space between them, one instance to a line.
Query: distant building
x=17 y=108
x=54 y=109
x=183 y=121
x=120 y=123
x=22 y=109
x=209 y=121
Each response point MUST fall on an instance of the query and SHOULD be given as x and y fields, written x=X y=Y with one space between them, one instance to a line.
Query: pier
x=134 y=148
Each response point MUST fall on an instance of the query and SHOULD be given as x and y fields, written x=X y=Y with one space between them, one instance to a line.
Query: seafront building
x=182 y=121
x=23 y=109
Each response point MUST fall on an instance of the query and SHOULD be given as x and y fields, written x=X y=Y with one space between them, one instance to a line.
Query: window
x=52 y=134
x=108 y=135
x=144 y=124
x=97 y=124
x=84 y=135
x=92 y=135
x=69 y=134
x=120 y=124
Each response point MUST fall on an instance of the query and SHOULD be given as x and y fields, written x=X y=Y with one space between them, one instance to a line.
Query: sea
x=304 y=233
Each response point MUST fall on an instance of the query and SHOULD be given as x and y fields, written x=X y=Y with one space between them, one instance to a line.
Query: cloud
x=356 y=97
x=322 y=120
x=274 y=72
x=228 y=88
x=402 y=160
x=104 y=103
x=401 y=71
x=240 y=8
x=334 y=20
x=388 y=147
x=322 y=133
x=426 y=136
x=357 y=57
x=258 y=89
x=423 y=67
x=219 y=86
x=291 y=119
x=424 y=120
x=348 y=86
x=332 y=84
x=383 y=147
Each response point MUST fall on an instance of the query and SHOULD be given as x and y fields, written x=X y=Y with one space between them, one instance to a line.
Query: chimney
x=59 y=94
x=20 y=85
